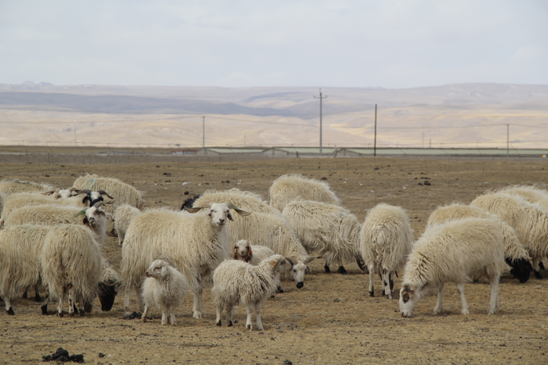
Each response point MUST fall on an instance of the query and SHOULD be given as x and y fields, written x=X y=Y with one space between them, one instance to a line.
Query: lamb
x=453 y=252
x=328 y=228
x=164 y=287
x=122 y=217
x=291 y=187
x=386 y=239
x=20 y=265
x=9 y=187
x=238 y=281
x=243 y=199
x=71 y=261
x=49 y=215
x=121 y=192
x=529 y=220
x=193 y=243
x=515 y=255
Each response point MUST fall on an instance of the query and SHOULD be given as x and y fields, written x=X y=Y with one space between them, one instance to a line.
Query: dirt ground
x=332 y=320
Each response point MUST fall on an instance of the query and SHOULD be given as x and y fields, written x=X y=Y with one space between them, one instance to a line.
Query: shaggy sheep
x=121 y=192
x=237 y=281
x=453 y=252
x=530 y=193
x=193 y=243
x=386 y=239
x=529 y=220
x=71 y=261
x=328 y=228
x=50 y=215
x=243 y=199
x=122 y=218
x=291 y=187
x=18 y=200
x=9 y=187
x=164 y=287
x=514 y=253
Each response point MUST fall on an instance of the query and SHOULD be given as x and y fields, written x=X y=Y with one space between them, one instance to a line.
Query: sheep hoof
x=465 y=312
x=44 y=309
x=327 y=269
x=219 y=324
x=229 y=324
x=59 y=314
x=10 y=312
x=537 y=274
x=341 y=270
x=280 y=290
x=248 y=327
x=371 y=293
x=25 y=296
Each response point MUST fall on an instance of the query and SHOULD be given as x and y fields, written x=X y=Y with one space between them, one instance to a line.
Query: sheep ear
x=273 y=263
x=307 y=270
x=407 y=293
x=291 y=262
x=164 y=271
x=102 y=213
x=193 y=210
x=243 y=213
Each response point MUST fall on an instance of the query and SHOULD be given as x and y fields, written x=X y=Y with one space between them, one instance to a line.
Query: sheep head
x=159 y=270
x=242 y=251
x=93 y=214
x=409 y=296
x=219 y=212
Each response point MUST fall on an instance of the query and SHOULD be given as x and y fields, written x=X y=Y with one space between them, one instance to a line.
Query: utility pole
x=321 y=98
x=203 y=135
x=375 y=141
x=507 y=140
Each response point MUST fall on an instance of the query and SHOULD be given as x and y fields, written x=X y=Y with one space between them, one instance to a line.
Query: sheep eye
x=294 y=270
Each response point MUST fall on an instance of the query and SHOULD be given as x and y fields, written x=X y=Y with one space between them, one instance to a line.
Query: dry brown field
x=332 y=320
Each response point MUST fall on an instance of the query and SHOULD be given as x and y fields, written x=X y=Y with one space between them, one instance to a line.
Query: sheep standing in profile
x=290 y=187
x=386 y=239
x=453 y=252
x=164 y=287
x=329 y=229
x=515 y=255
x=239 y=282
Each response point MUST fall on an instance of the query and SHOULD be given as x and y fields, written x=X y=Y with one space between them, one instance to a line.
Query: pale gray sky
x=237 y=43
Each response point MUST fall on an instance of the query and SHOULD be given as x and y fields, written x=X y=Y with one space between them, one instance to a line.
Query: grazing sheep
x=122 y=218
x=71 y=262
x=50 y=215
x=529 y=220
x=240 y=282
x=328 y=228
x=290 y=187
x=193 y=243
x=9 y=187
x=243 y=199
x=164 y=287
x=530 y=193
x=515 y=254
x=386 y=239
x=121 y=192
x=453 y=252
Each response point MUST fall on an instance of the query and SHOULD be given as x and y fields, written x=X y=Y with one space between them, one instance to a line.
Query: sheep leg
x=138 y=292
x=230 y=311
x=172 y=317
x=127 y=295
x=144 y=316
x=198 y=306
x=371 y=280
x=71 y=300
x=249 y=310
x=465 y=307
x=386 y=283
x=326 y=268
x=536 y=267
x=164 y=317
x=219 y=313
x=437 y=309
x=341 y=269
x=37 y=297
x=44 y=306
x=391 y=279
x=494 y=302
x=9 y=309
x=258 y=314
x=60 y=305
x=25 y=295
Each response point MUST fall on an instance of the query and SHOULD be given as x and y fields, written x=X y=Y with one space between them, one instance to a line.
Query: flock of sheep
x=53 y=238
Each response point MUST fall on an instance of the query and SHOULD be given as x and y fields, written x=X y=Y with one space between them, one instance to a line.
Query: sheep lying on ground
x=529 y=220
x=327 y=228
x=71 y=262
x=240 y=282
x=9 y=187
x=386 y=239
x=453 y=252
x=291 y=187
x=50 y=215
x=121 y=192
x=164 y=287
x=193 y=243
x=514 y=253
x=122 y=218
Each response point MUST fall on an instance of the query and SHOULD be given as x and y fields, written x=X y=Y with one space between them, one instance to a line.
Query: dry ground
x=332 y=320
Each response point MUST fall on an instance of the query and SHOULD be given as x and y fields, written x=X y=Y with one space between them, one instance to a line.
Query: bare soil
x=332 y=320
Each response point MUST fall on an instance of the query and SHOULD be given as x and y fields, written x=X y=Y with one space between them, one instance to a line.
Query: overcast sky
x=393 y=44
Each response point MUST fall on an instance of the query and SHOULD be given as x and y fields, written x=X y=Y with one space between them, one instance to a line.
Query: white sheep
x=291 y=187
x=164 y=287
x=529 y=220
x=515 y=254
x=18 y=200
x=71 y=262
x=240 y=282
x=453 y=252
x=121 y=192
x=50 y=215
x=122 y=218
x=329 y=229
x=9 y=187
x=243 y=199
x=386 y=239
x=530 y=193
x=193 y=243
